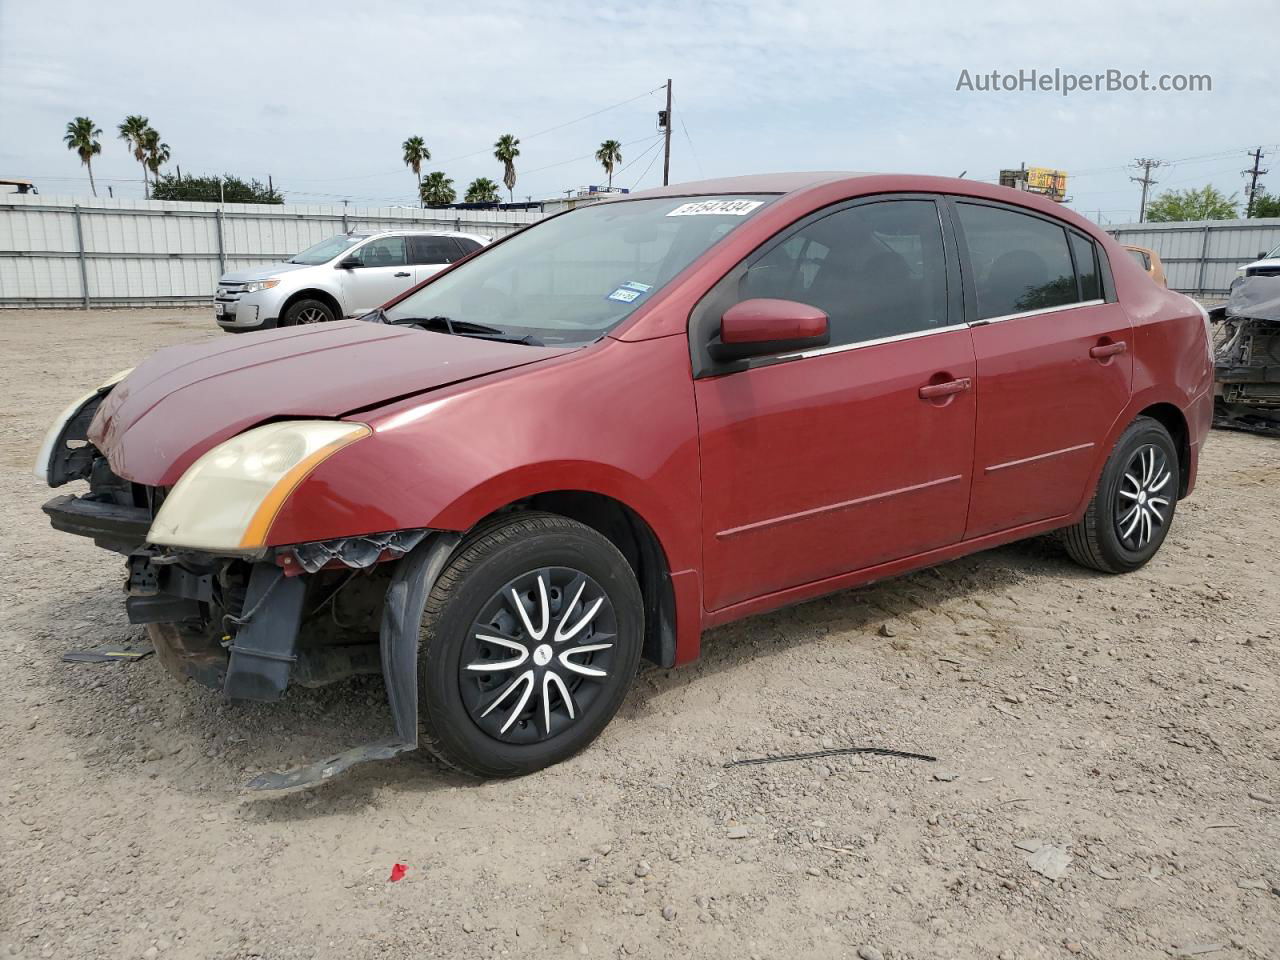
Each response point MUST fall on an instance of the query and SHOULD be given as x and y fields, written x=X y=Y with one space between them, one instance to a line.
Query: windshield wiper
x=460 y=328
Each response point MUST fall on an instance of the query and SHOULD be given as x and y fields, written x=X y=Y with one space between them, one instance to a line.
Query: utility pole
x=1253 y=174
x=666 y=146
x=1147 y=165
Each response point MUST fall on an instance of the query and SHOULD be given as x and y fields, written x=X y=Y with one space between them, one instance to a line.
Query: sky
x=321 y=95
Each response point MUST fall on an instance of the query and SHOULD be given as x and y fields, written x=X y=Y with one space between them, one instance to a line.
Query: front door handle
x=404 y=273
x=1104 y=350
x=932 y=391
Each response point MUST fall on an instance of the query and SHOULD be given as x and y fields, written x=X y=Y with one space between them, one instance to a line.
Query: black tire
x=548 y=726
x=306 y=310
x=1110 y=537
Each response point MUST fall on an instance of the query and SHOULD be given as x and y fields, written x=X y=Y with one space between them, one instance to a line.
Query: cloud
x=320 y=95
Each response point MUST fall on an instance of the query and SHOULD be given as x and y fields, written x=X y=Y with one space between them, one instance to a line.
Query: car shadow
x=209 y=745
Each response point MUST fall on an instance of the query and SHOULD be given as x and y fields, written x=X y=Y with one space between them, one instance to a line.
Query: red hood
x=184 y=400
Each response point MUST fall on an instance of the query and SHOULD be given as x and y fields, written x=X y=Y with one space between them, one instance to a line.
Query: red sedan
x=627 y=424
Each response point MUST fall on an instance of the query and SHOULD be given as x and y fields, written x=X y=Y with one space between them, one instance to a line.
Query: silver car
x=343 y=276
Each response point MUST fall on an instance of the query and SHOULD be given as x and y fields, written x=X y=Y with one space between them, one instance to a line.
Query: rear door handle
x=932 y=391
x=404 y=273
x=1104 y=350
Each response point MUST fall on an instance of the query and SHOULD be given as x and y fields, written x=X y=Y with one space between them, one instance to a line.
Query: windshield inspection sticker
x=630 y=292
x=723 y=208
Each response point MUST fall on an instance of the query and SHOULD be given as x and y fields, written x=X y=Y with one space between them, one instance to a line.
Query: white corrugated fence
x=61 y=251
x=1201 y=256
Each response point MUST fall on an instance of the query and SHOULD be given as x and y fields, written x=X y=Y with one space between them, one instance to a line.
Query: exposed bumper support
x=122 y=529
x=415 y=575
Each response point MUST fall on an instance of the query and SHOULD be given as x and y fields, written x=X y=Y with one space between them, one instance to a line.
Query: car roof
x=753 y=183
x=424 y=233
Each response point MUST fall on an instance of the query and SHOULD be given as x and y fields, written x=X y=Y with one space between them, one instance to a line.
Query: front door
x=840 y=458
x=383 y=273
x=1055 y=364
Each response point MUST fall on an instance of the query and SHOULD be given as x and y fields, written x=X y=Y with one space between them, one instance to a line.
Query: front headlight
x=253 y=286
x=60 y=422
x=227 y=500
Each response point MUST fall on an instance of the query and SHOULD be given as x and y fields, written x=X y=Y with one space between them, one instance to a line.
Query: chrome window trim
x=841 y=348
x=1036 y=313
x=917 y=334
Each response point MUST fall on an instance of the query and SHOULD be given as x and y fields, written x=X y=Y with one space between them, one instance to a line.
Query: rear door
x=429 y=255
x=383 y=273
x=831 y=460
x=1054 y=358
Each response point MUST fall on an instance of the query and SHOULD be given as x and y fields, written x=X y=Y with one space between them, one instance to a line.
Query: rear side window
x=1086 y=256
x=432 y=250
x=1143 y=260
x=1019 y=262
x=466 y=244
x=877 y=270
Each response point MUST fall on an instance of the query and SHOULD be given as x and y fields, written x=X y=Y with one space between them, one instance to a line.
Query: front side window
x=1019 y=262
x=877 y=270
x=383 y=252
x=574 y=277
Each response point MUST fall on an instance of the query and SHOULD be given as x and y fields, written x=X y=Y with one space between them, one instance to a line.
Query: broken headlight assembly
x=56 y=429
x=226 y=501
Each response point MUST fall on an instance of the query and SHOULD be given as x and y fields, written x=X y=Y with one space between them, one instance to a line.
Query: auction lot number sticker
x=723 y=208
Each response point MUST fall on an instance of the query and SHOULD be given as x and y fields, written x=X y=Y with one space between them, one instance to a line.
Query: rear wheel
x=307 y=310
x=1133 y=506
x=530 y=639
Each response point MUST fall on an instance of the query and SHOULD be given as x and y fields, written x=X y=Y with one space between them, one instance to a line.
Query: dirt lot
x=1132 y=722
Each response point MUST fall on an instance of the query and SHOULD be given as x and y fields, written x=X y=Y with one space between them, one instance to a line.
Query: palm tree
x=609 y=156
x=505 y=151
x=482 y=190
x=157 y=152
x=437 y=190
x=415 y=152
x=132 y=132
x=82 y=137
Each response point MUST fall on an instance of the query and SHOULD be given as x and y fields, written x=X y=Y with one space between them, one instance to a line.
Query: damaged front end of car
x=1247 y=357
x=233 y=614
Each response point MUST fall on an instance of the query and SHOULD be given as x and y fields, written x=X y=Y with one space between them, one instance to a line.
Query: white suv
x=343 y=276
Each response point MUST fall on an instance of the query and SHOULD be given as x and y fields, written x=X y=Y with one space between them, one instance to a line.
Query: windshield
x=1274 y=254
x=574 y=277
x=326 y=250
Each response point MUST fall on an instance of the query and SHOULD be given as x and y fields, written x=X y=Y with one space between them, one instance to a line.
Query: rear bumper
x=109 y=525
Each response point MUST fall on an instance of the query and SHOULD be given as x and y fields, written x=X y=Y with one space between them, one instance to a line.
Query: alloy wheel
x=311 y=315
x=1143 y=497
x=539 y=653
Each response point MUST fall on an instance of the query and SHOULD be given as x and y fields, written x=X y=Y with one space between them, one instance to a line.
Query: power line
x=652 y=160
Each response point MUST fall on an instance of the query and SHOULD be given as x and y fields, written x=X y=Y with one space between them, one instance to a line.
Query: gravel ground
x=1121 y=733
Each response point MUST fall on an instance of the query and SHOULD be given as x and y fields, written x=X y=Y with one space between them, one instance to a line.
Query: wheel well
x=327 y=298
x=636 y=541
x=1173 y=421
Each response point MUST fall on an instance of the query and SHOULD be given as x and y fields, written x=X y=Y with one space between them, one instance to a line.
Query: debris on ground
x=109 y=653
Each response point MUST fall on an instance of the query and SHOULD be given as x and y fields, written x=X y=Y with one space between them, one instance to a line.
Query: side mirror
x=349 y=263
x=758 y=328
x=1262 y=254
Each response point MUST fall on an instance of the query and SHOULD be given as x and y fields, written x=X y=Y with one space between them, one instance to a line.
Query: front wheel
x=307 y=311
x=1133 y=506
x=530 y=639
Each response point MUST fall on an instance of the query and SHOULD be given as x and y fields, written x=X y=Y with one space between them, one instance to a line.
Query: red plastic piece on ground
x=397 y=872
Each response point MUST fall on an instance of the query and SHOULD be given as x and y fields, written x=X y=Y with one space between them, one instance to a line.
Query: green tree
x=157 y=152
x=609 y=156
x=415 y=153
x=482 y=190
x=1207 y=203
x=212 y=189
x=133 y=131
x=82 y=137
x=505 y=152
x=437 y=190
x=1266 y=204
